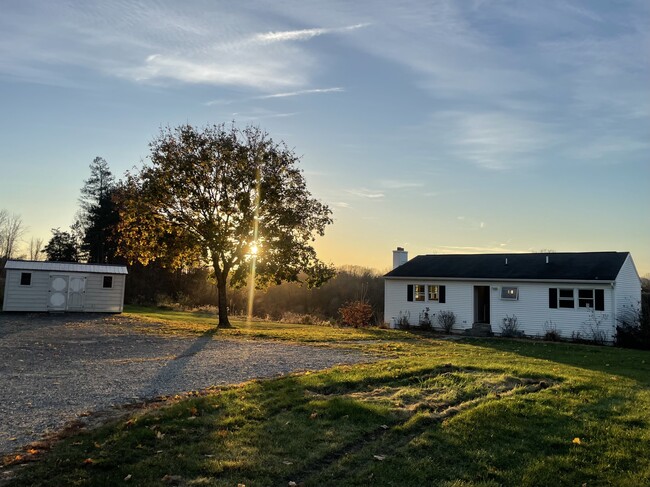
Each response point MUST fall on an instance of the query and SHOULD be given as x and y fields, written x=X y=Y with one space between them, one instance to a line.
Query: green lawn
x=431 y=412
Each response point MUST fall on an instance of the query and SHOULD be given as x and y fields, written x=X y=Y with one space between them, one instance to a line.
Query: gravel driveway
x=53 y=368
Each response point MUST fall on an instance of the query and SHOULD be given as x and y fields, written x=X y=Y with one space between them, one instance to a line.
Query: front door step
x=480 y=330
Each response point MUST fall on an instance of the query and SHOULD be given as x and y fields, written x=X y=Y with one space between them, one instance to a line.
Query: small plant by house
x=510 y=327
x=593 y=327
x=551 y=332
x=446 y=320
x=403 y=320
x=425 y=320
x=357 y=314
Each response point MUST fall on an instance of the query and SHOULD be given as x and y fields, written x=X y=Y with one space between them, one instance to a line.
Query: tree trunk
x=223 y=302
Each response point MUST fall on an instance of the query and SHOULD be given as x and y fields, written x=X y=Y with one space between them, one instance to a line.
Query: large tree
x=97 y=219
x=230 y=197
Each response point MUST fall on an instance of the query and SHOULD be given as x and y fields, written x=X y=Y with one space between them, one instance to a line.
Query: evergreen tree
x=62 y=247
x=98 y=218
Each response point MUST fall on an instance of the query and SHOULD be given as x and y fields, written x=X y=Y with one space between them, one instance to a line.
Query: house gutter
x=493 y=279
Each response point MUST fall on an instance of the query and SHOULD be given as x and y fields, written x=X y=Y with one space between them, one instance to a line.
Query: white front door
x=58 y=295
x=76 y=293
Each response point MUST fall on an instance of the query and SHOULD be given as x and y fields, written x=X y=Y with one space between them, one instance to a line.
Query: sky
x=438 y=126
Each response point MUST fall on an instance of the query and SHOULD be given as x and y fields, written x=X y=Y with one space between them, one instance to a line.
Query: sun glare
x=254 y=249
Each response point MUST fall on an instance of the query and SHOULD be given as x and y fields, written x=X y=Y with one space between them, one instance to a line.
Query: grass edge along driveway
x=470 y=413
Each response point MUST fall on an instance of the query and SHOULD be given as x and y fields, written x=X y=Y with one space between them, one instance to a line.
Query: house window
x=418 y=292
x=509 y=292
x=25 y=278
x=415 y=292
x=434 y=293
x=585 y=298
x=108 y=282
x=565 y=298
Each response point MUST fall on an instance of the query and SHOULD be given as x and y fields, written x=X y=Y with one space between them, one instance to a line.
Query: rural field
x=425 y=410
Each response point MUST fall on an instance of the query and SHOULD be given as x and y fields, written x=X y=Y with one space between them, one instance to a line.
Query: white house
x=571 y=292
x=64 y=286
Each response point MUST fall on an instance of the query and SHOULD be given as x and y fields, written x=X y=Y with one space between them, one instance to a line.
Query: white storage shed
x=64 y=286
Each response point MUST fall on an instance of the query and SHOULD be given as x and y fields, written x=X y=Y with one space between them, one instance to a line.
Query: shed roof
x=31 y=265
x=562 y=266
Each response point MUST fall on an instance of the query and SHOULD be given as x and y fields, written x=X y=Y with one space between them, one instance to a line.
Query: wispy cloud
x=172 y=44
x=399 y=184
x=303 y=34
x=285 y=94
x=365 y=193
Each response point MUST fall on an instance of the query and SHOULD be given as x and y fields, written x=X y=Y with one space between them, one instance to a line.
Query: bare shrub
x=510 y=327
x=446 y=320
x=425 y=320
x=551 y=333
x=357 y=314
x=302 y=319
x=403 y=320
x=593 y=327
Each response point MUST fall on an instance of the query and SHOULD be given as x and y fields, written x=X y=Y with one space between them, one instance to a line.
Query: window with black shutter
x=600 y=299
x=552 y=297
x=442 y=297
x=409 y=292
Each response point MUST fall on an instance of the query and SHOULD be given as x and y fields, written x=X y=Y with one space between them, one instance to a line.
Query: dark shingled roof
x=580 y=266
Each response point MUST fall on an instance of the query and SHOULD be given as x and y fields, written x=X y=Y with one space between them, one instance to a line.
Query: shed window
x=108 y=282
x=418 y=292
x=25 y=278
x=509 y=292
x=565 y=298
x=434 y=293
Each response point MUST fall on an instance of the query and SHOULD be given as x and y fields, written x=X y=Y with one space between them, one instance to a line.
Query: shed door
x=58 y=295
x=76 y=293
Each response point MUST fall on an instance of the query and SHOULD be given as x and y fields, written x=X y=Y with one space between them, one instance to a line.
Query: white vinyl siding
x=627 y=287
x=26 y=298
x=531 y=307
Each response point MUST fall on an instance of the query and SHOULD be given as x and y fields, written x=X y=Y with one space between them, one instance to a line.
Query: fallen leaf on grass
x=576 y=441
x=32 y=451
x=172 y=479
x=313 y=415
x=159 y=435
x=88 y=461
x=127 y=478
x=379 y=457
x=287 y=463
x=384 y=426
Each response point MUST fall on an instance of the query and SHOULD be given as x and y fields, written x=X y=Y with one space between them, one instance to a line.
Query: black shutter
x=409 y=292
x=552 y=297
x=441 y=294
x=600 y=300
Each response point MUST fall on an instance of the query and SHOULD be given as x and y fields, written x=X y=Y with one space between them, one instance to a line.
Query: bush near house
x=356 y=314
